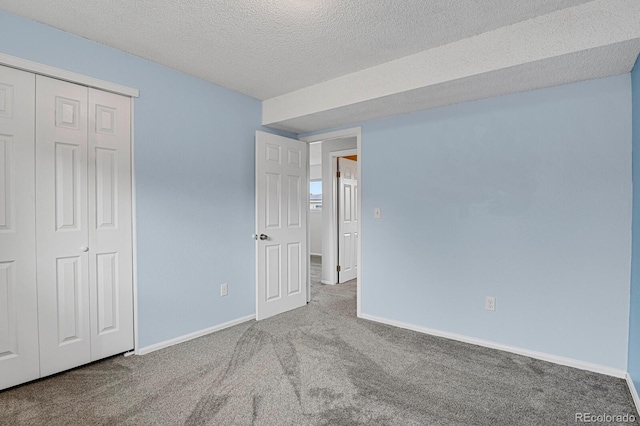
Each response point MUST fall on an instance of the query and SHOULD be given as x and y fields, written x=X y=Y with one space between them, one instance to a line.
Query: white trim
x=194 y=335
x=327 y=282
x=569 y=362
x=60 y=74
x=134 y=239
x=341 y=153
x=309 y=213
x=338 y=134
x=633 y=391
x=256 y=215
x=361 y=211
x=315 y=254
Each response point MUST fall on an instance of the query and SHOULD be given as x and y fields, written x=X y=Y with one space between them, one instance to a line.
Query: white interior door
x=18 y=293
x=281 y=224
x=62 y=225
x=110 y=250
x=347 y=220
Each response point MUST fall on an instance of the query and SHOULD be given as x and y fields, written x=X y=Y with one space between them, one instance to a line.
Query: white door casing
x=347 y=220
x=281 y=224
x=110 y=246
x=62 y=225
x=19 y=358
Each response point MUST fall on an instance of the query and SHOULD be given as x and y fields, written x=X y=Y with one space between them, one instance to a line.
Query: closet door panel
x=110 y=260
x=18 y=292
x=62 y=225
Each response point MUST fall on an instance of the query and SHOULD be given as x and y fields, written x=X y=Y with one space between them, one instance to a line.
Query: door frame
x=341 y=134
x=84 y=80
x=134 y=241
x=64 y=75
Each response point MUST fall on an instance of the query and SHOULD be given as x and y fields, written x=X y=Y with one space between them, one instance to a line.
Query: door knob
x=261 y=236
x=84 y=249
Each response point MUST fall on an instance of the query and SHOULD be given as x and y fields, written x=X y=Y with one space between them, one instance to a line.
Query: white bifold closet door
x=18 y=299
x=62 y=225
x=110 y=233
x=83 y=223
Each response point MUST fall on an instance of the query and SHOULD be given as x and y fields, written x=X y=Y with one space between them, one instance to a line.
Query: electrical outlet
x=490 y=303
x=377 y=214
x=224 y=289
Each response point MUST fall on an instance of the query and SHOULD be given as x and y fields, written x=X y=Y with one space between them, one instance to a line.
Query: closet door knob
x=84 y=249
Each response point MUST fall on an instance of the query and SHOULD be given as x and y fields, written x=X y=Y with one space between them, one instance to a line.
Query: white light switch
x=376 y=213
x=224 y=289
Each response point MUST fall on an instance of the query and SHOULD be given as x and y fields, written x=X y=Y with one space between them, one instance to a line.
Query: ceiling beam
x=592 y=40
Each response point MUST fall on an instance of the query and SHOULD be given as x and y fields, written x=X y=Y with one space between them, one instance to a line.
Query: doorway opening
x=315 y=213
x=334 y=251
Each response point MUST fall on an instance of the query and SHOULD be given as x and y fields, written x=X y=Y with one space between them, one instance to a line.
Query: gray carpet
x=329 y=368
x=316 y=269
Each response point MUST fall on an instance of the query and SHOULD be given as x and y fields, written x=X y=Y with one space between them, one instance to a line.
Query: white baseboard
x=634 y=392
x=569 y=362
x=327 y=282
x=315 y=254
x=194 y=335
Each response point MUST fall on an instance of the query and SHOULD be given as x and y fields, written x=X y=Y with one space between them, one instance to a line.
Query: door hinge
x=338 y=268
x=338 y=174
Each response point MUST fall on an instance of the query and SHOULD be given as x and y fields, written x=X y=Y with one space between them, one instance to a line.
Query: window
x=315 y=198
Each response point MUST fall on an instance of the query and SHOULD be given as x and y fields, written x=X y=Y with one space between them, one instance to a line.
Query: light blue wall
x=634 y=317
x=525 y=197
x=194 y=156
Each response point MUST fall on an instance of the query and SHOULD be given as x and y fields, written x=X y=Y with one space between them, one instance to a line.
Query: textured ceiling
x=266 y=48
x=318 y=64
